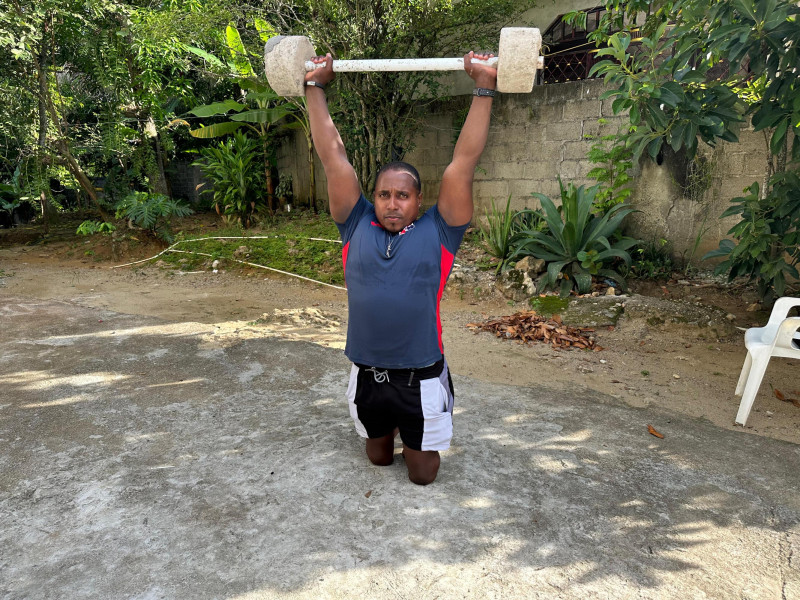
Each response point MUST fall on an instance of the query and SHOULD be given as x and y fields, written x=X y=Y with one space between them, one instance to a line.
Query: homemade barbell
x=287 y=59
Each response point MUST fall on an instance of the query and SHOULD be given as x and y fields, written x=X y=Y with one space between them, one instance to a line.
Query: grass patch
x=288 y=248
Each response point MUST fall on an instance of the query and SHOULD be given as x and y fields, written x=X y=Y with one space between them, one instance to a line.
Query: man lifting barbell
x=396 y=265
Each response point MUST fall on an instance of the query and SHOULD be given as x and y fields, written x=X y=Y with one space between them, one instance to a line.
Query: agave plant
x=576 y=244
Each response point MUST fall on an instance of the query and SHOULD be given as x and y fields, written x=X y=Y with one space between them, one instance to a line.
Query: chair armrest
x=785 y=338
x=781 y=308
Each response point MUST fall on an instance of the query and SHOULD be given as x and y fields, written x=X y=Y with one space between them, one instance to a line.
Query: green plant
x=614 y=160
x=768 y=236
x=651 y=260
x=675 y=93
x=577 y=244
x=234 y=169
x=152 y=212
x=497 y=234
x=505 y=225
x=284 y=188
x=92 y=227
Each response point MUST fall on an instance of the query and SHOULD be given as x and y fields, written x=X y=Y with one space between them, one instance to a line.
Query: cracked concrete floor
x=143 y=458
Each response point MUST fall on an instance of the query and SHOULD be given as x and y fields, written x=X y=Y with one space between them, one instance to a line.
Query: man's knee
x=422 y=478
x=423 y=466
x=380 y=451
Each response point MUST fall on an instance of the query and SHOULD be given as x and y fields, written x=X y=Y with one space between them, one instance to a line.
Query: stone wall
x=536 y=137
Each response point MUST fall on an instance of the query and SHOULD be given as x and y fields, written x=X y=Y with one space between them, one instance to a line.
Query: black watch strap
x=484 y=92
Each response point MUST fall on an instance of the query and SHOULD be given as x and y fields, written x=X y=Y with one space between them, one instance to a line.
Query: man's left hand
x=483 y=75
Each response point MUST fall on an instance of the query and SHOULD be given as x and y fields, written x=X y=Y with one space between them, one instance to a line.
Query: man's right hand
x=322 y=75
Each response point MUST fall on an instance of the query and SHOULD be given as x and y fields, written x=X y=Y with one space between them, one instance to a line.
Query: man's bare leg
x=423 y=465
x=380 y=451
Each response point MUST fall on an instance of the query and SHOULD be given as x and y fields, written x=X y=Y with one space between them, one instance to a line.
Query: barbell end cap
x=284 y=63
x=519 y=59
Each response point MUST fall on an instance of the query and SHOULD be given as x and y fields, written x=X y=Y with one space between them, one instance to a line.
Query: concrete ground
x=146 y=459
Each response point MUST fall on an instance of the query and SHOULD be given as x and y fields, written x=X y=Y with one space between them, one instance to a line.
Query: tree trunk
x=312 y=176
x=41 y=77
x=160 y=184
x=61 y=143
x=268 y=175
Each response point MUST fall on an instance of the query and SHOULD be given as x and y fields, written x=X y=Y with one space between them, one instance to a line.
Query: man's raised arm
x=455 y=194
x=343 y=187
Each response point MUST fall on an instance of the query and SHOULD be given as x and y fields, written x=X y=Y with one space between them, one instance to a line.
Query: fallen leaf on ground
x=779 y=395
x=528 y=327
x=651 y=430
x=368 y=494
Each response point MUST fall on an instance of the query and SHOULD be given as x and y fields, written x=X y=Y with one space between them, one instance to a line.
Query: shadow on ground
x=145 y=459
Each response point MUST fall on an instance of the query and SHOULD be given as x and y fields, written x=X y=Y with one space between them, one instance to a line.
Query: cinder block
x=572 y=169
x=507 y=152
x=485 y=171
x=509 y=170
x=581 y=110
x=576 y=150
x=518 y=135
x=563 y=131
x=521 y=190
x=491 y=189
x=540 y=170
x=547 y=150
x=563 y=92
x=545 y=113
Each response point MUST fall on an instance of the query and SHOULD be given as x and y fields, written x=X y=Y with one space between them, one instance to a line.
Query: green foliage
x=703 y=67
x=505 y=225
x=284 y=187
x=767 y=246
x=651 y=260
x=92 y=227
x=577 y=243
x=152 y=212
x=234 y=167
x=498 y=233
x=614 y=160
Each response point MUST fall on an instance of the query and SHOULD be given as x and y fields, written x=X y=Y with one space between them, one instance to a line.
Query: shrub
x=577 y=244
x=236 y=170
x=505 y=226
x=152 y=212
x=92 y=227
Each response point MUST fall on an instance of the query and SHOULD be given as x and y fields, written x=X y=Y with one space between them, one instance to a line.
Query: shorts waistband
x=419 y=373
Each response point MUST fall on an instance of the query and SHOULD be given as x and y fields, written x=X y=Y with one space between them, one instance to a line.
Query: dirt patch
x=676 y=345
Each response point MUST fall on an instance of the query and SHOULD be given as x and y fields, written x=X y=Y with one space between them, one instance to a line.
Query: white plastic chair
x=779 y=337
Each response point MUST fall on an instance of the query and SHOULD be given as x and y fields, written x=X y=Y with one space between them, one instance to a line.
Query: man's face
x=396 y=200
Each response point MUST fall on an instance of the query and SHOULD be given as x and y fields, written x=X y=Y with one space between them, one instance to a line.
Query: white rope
x=252 y=237
x=244 y=262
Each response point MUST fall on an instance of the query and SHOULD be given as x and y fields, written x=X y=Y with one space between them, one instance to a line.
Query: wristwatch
x=484 y=92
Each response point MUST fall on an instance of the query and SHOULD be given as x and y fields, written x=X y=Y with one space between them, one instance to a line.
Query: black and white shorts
x=419 y=402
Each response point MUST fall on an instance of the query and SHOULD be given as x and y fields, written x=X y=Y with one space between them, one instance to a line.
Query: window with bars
x=569 y=55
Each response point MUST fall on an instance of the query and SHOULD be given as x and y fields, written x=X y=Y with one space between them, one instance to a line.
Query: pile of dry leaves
x=529 y=327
